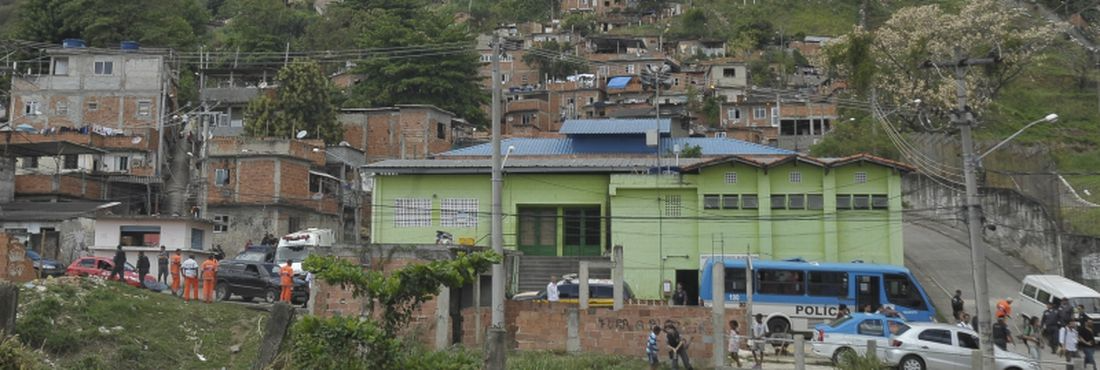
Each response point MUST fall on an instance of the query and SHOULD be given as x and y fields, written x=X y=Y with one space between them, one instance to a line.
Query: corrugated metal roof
x=613 y=126
x=618 y=82
x=523 y=146
x=724 y=146
x=50 y=211
x=614 y=145
x=635 y=164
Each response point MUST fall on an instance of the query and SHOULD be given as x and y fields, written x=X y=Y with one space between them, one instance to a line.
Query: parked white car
x=851 y=333
x=945 y=347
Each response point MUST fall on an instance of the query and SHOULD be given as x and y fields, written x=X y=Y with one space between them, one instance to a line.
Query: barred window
x=458 y=212
x=729 y=201
x=731 y=177
x=749 y=201
x=795 y=177
x=815 y=202
x=861 y=177
x=880 y=202
x=412 y=212
x=712 y=201
x=672 y=205
x=797 y=201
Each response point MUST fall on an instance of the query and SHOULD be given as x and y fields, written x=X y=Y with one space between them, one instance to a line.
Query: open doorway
x=690 y=281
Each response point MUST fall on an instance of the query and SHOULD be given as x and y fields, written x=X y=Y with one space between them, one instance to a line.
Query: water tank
x=129 y=45
x=72 y=43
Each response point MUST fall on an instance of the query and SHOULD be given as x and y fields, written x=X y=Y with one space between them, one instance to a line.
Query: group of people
x=677 y=347
x=1067 y=330
x=758 y=334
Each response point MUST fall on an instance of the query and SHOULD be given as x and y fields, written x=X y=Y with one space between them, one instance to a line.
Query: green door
x=581 y=231
x=538 y=231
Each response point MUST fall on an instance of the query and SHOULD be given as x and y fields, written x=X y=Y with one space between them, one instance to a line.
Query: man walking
x=956 y=304
x=120 y=265
x=209 y=274
x=287 y=281
x=1068 y=337
x=143 y=268
x=176 y=263
x=1004 y=308
x=1086 y=339
x=1051 y=326
x=162 y=266
x=190 y=278
x=1001 y=335
x=552 y=289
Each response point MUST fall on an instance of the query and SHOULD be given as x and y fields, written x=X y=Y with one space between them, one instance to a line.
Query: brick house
x=400 y=132
x=786 y=123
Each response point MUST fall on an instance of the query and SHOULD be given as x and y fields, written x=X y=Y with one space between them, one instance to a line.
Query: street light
x=1051 y=118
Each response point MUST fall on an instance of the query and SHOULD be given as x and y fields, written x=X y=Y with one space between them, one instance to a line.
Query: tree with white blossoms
x=892 y=59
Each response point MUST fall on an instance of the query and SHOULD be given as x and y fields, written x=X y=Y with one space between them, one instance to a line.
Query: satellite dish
x=263 y=84
x=301 y=134
x=135 y=140
x=344 y=143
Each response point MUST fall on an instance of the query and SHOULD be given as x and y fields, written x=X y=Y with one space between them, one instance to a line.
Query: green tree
x=555 y=67
x=436 y=66
x=263 y=25
x=583 y=24
x=177 y=24
x=693 y=23
x=354 y=343
x=855 y=137
x=303 y=101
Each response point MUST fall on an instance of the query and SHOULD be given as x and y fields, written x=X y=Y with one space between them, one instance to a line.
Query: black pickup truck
x=252 y=279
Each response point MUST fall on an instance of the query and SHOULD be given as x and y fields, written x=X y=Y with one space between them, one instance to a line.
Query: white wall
x=173 y=233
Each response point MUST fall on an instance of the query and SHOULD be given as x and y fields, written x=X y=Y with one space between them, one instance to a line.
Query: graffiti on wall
x=14 y=263
x=620 y=324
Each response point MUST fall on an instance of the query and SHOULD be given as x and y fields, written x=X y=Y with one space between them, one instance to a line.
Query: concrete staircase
x=535 y=271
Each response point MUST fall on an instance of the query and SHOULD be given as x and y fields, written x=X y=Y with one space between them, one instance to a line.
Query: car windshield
x=272 y=270
x=294 y=254
x=1092 y=304
x=840 y=321
x=254 y=256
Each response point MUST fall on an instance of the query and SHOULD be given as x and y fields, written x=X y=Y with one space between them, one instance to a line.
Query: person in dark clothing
x=677 y=347
x=119 y=265
x=956 y=304
x=1065 y=312
x=162 y=266
x=1051 y=327
x=143 y=267
x=679 y=298
x=1086 y=343
x=843 y=311
x=1001 y=335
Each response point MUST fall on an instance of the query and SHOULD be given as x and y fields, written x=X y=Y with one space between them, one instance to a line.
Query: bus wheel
x=778 y=325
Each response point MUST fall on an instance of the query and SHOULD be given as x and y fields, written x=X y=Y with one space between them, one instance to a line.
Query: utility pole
x=964 y=119
x=495 y=356
x=202 y=169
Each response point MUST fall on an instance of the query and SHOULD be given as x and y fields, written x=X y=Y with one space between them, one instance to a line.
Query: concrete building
x=400 y=132
x=278 y=186
x=599 y=187
x=60 y=231
x=787 y=123
x=727 y=78
x=227 y=92
x=147 y=234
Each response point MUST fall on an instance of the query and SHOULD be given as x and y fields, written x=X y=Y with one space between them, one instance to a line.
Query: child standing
x=759 y=332
x=735 y=342
x=651 y=350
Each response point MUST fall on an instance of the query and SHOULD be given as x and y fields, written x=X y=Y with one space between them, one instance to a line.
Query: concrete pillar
x=583 y=294
x=897 y=255
x=976 y=359
x=9 y=303
x=477 y=310
x=872 y=347
x=443 y=318
x=572 y=336
x=799 y=352
x=718 y=314
x=828 y=197
x=764 y=224
x=617 y=277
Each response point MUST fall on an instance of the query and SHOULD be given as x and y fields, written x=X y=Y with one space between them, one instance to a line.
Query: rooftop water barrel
x=129 y=46
x=72 y=43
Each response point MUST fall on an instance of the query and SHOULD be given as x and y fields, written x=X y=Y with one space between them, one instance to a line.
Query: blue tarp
x=618 y=82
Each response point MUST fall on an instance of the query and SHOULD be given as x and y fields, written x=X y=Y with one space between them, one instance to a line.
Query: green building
x=739 y=198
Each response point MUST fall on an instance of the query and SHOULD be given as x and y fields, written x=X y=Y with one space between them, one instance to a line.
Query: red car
x=101 y=266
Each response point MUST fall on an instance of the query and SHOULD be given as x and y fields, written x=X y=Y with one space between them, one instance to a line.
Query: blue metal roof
x=613 y=126
x=723 y=146
x=618 y=82
x=615 y=144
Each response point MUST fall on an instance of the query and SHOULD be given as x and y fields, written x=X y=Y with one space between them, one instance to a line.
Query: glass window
x=711 y=201
x=411 y=212
x=93 y=106
x=968 y=341
x=60 y=66
x=827 y=283
x=144 y=108
x=735 y=280
x=1029 y=291
x=62 y=108
x=870 y=327
x=139 y=235
x=221 y=176
x=731 y=177
x=902 y=291
x=795 y=177
x=87 y=262
x=749 y=201
x=784 y=282
x=1042 y=296
x=458 y=212
x=796 y=201
x=1092 y=304
x=880 y=202
x=221 y=223
x=570 y=291
x=672 y=205
x=30 y=108
x=897 y=328
x=779 y=201
x=861 y=201
x=861 y=177
x=815 y=202
x=729 y=201
x=30 y=162
x=71 y=162
x=936 y=336
x=538 y=227
x=759 y=113
x=105 y=67
x=582 y=226
x=441 y=130
x=844 y=201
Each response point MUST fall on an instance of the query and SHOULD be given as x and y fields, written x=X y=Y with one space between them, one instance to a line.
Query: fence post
x=583 y=299
x=718 y=315
x=617 y=277
x=976 y=359
x=799 y=352
x=9 y=303
x=872 y=347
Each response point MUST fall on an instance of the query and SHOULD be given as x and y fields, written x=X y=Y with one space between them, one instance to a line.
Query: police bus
x=797 y=295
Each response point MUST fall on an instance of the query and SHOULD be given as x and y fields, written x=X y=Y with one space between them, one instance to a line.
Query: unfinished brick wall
x=255 y=179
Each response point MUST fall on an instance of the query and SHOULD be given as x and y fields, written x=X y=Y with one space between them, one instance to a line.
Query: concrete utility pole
x=495 y=356
x=964 y=119
x=202 y=170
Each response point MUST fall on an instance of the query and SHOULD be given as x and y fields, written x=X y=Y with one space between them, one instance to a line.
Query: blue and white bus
x=798 y=295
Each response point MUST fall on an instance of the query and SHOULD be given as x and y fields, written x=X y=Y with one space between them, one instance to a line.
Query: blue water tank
x=72 y=43
x=130 y=45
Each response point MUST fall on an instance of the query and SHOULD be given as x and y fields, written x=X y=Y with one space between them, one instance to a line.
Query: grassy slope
x=157 y=331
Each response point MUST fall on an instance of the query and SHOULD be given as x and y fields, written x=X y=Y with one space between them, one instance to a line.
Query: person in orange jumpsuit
x=287 y=275
x=1004 y=308
x=174 y=269
x=190 y=278
x=209 y=278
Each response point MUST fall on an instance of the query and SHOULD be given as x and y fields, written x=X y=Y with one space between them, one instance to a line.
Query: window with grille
x=30 y=108
x=795 y=177
x=672 y=205
x=70 y=162
x=731 y=177
x=775 y=116
x=880 y=202
x=796 y=201
x=861 y=177
x=749 y=201
x=729 y=201
x=843 y=201
x=221 y=223
x=412 y=212
x=30 y=162
x=62 y=108
x=144 y=108
x=861 y=201
x=759 y=113
x=93 y=106
x=458 y=212
x=105 y=67
x=815 y=202
x=779 y=201
x=712 y=201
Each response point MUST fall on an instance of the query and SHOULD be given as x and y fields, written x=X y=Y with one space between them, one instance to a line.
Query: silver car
x=945 y=347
